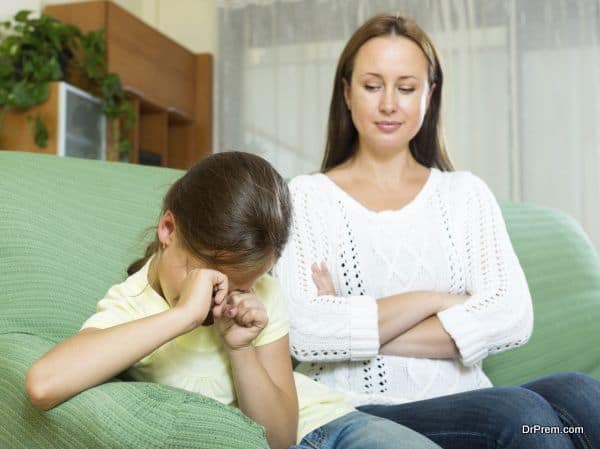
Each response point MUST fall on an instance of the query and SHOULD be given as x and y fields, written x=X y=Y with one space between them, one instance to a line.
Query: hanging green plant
x=36 y=51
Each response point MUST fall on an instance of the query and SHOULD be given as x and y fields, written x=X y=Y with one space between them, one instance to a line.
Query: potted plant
x=36 y=51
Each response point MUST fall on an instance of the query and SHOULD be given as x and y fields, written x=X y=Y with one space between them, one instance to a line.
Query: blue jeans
x=566 y=406
x=358 y=430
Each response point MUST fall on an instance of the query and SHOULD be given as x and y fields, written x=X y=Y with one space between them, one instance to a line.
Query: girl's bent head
x=231 y=211
x=426 y=144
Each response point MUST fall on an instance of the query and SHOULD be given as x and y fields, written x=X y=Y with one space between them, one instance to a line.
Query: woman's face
x=389 y=93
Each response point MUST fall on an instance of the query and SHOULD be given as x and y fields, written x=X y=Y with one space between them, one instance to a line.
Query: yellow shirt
x=197 y=361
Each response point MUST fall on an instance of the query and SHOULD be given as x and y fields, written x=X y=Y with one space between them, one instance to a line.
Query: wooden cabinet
x=74 y=121
x=171 y=88
x=17 y=132
x=158 y=68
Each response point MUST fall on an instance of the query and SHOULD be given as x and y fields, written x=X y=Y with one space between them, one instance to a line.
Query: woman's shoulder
x=306 y=182
x=314 y=191
x=461 y=183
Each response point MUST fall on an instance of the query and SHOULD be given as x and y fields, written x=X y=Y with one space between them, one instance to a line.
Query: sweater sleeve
x=499 y=314
x=323 y=327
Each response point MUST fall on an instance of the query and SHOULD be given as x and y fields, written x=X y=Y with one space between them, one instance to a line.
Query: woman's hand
x=322 y=279
x=240 y=319
x=202 y=291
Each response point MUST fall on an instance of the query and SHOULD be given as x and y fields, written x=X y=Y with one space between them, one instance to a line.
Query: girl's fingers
x=245 y=318
x=251 y=317
x=220 y=294
x=217 y=310
x=242 y=308
x=220 y=286
x=247 y=309
x=228 y=305
x=224 y=310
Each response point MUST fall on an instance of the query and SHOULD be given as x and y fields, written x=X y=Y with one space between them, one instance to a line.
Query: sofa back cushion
x=563 y=272
x=69 y=229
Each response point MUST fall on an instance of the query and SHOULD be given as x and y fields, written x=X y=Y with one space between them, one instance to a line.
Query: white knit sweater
x=450 y=238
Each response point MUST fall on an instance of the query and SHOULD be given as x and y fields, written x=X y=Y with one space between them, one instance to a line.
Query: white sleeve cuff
x=466 y=334
x=364 y=328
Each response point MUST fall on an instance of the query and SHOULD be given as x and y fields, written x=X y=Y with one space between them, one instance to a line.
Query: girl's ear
x=166 y=228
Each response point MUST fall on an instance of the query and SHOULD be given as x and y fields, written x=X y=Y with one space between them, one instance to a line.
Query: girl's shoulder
x=268 y=291
x=266 y=287
x=126 y=301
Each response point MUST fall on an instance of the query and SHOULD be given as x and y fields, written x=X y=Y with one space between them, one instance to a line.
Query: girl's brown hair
x=231 y=209
x=427 y=147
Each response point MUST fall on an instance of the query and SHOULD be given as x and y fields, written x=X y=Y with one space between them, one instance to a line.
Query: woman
x=399 y=273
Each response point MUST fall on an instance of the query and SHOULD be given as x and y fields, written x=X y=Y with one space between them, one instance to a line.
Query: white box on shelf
x=81 y=124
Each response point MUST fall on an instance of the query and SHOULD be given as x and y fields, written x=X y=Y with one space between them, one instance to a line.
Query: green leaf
x=129 y=116
x=124 y=146
x=55 y=69
x=25 y=95
x=3 y=96
x=6 y=71
x=40 y=132
x=22 y=15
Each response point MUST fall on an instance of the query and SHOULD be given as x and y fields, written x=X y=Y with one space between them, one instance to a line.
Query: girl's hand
x=240 y=319
x=202 y=290
x=322 y=279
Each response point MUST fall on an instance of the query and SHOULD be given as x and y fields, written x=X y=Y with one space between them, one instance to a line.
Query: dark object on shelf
x=149 y=158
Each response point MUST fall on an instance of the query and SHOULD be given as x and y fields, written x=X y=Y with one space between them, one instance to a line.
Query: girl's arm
x=95 y=355
x=262 y=376
x=266 y=391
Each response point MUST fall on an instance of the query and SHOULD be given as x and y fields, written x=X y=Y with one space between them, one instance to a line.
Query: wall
x=191 y=23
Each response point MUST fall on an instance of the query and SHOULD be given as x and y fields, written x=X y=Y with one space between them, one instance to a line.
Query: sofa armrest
x=115 y=414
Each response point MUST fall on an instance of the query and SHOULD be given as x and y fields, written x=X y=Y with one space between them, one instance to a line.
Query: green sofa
x=68 y=229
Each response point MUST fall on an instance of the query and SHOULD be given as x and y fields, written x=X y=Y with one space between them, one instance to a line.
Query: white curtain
x=521 y=104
